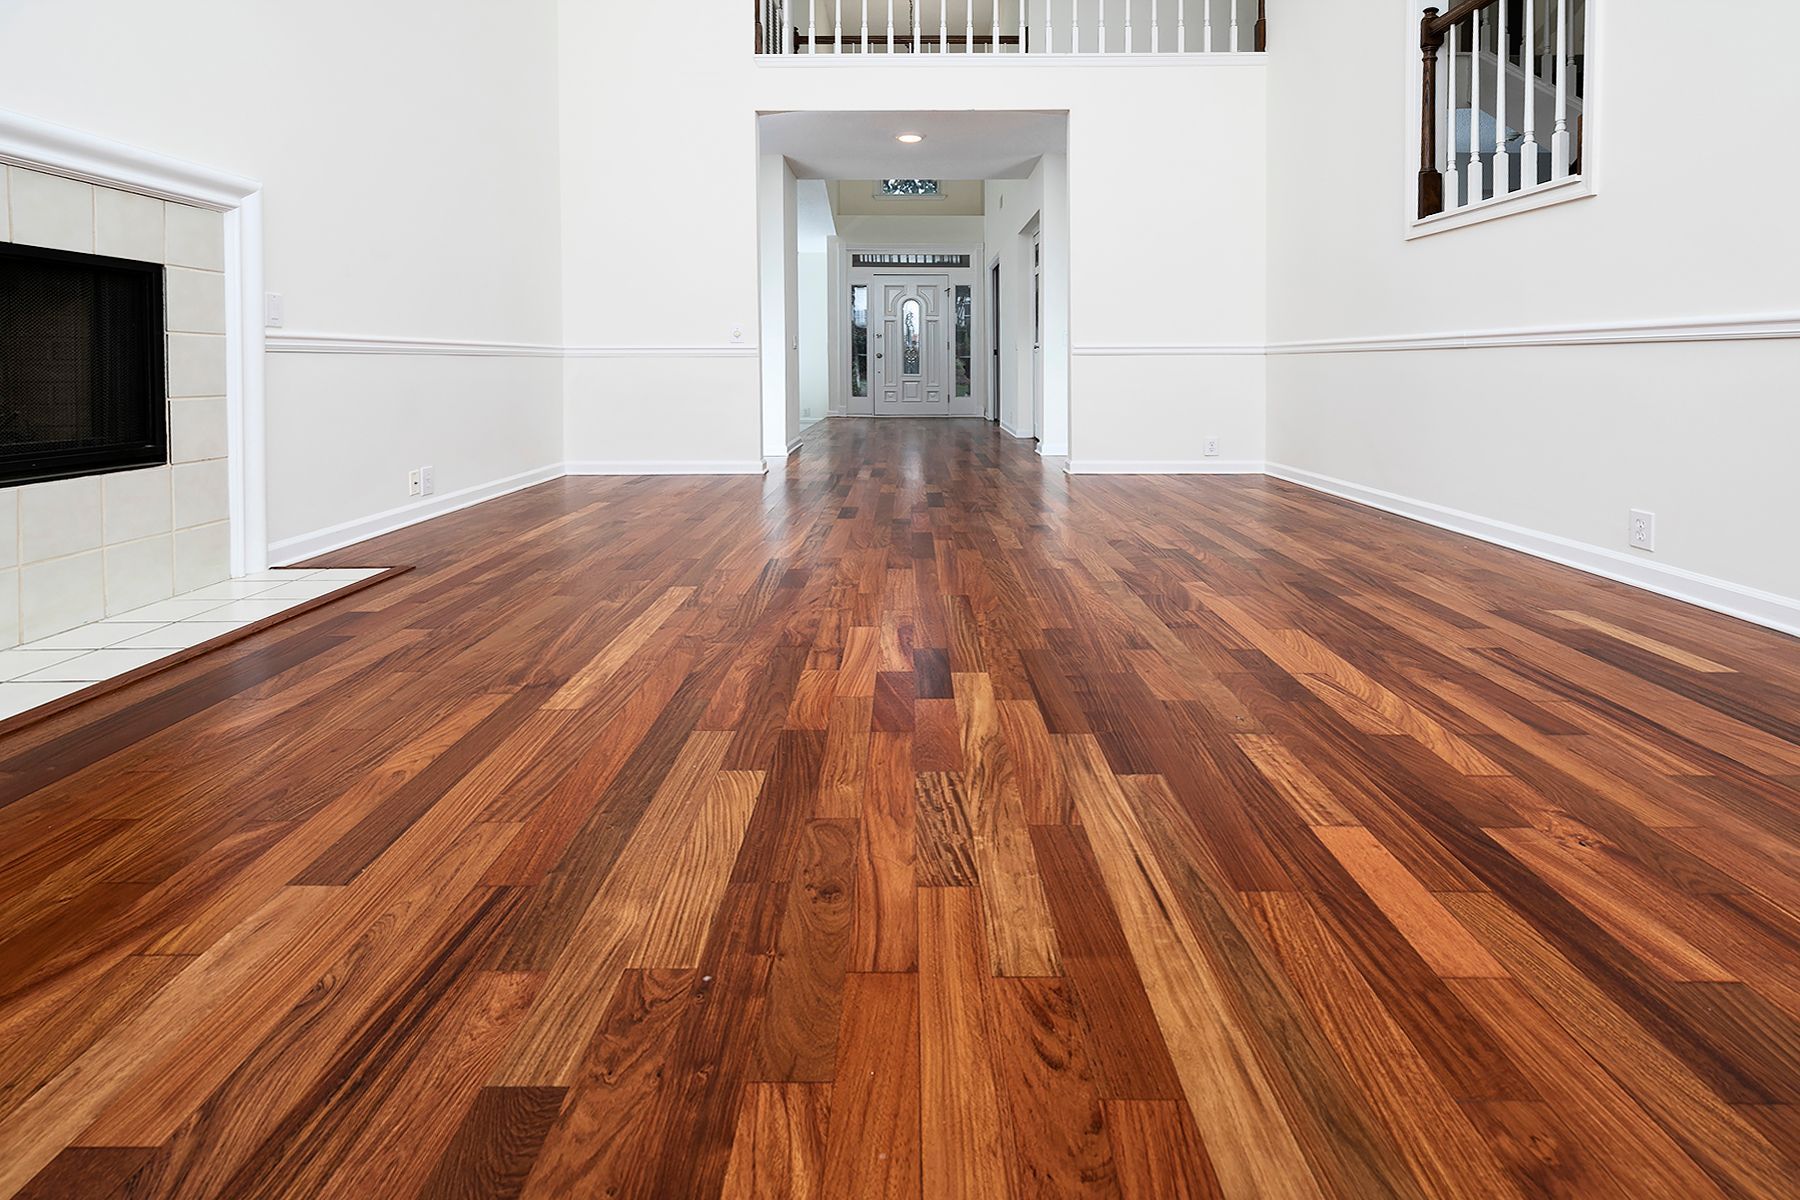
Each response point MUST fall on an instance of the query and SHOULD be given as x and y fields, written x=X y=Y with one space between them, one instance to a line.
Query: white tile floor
x=53 y=667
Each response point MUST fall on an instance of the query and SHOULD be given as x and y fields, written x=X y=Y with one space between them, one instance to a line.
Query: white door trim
x=55 y=149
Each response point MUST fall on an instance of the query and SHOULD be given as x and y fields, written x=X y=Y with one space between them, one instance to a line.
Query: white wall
x=815 y=316
x=1014 y=207
x=408 y=155
x=779 y=304
x=1559 y=440
x=900 y=230
x=1166 y=168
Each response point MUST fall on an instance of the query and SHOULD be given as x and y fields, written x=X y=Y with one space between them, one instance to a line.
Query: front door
x=911 y=346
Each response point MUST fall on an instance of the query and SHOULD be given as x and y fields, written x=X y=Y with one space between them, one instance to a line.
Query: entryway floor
x=50 y=668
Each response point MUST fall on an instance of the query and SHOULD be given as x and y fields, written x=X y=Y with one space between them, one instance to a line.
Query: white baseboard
x=748 y=466
x=1719 y=595
x=1009 y=431
x=1129 y=466
x=335 y=537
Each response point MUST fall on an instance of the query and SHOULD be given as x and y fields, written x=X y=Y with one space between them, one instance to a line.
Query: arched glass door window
x=909 y=337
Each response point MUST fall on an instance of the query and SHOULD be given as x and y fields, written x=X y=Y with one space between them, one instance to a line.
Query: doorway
x=910 y=350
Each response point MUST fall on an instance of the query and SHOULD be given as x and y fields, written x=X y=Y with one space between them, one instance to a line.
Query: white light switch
x=274 y=311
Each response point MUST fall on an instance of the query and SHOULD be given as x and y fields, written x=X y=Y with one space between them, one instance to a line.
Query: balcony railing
x=1038 y=27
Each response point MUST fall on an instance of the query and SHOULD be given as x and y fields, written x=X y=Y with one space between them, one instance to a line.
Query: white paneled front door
x=910 y=349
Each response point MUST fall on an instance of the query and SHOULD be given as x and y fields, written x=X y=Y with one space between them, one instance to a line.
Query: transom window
x=909 y=258
x=909 y=187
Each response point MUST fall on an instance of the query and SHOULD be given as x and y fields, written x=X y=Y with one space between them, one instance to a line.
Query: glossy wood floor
x=919 y=822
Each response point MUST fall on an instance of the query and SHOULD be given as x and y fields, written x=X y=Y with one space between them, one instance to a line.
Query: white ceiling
x=957 y=145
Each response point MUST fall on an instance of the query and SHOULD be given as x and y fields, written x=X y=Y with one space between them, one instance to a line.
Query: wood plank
x=1451 y=950
x=962 y=1143
x=779 y=1150
x=886 y=928
x=872 y=1148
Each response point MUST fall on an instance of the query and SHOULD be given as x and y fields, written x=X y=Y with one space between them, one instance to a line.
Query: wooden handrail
x=1262 y=26
x=1457 y=14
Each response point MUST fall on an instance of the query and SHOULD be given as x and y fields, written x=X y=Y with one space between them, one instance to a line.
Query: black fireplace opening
x=81 y=365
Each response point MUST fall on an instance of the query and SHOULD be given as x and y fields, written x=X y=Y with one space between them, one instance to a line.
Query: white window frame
x=1545 y=195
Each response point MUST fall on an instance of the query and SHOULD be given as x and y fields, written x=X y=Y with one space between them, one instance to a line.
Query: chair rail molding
x=721 y=350
x=1744 y=328
x=283 y=342
x=1171 y=350
x=58 y=150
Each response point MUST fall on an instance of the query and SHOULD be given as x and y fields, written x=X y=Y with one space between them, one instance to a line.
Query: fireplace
x=82 y=389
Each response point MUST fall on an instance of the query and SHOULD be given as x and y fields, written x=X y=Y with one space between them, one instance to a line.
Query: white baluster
x=1530 y=172
x=1452 y=176
x=994 y=30
x=1234 y=27
x=1100 y=48
x=812 y=30
x=862 y=46
x=1129 y=43
x=1155 y=28
x=890 y=38
x=1559 y=141
x=917 y=26
x=1502 y=160
x=1181 y=26
x=968 y=26
x=943 y=25
x=1477 y=189
x=1206 y=27
x=1075 y=27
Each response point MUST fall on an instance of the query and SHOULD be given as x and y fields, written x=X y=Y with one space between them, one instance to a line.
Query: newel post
x=1431 y=180
x=1262 y=25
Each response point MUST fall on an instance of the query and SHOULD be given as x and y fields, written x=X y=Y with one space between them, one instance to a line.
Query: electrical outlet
x=1212 y=446
x=427 y=480
x=274 y=310
x=1642 y=535
x=415 y=485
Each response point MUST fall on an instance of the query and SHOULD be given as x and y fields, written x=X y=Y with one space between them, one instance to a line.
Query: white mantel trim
x=41 y=146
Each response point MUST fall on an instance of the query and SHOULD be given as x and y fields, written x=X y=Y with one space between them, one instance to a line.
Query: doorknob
x=878 y=354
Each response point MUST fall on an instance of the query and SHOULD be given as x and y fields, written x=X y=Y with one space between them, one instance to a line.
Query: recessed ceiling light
x=909 y=138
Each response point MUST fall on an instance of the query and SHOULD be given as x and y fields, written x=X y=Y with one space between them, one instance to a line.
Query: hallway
x=918 y=821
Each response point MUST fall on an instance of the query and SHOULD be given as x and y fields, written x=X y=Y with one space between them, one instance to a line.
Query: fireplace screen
x=81 y=365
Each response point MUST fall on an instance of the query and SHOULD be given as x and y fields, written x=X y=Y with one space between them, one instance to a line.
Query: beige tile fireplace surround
x=79 y=550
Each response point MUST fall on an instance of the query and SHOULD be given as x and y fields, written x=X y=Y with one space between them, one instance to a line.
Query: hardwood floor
x=919 y=822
